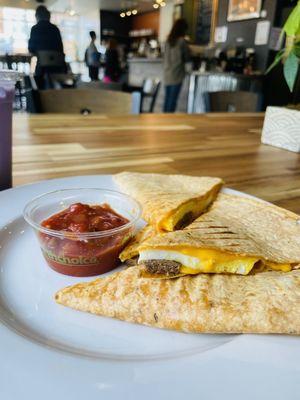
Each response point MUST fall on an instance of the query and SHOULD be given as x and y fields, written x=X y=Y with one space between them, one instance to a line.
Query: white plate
x=48 y=351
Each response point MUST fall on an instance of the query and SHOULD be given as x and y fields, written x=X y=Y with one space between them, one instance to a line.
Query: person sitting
x=45 y=36
x=92 y=58
x=112 y=64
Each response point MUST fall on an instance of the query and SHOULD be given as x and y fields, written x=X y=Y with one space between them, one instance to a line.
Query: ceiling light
x=155 y=5
x=128 y=13
x=122 y=15
x=162 y=4
x=159 y=1
x=71 y=12
x=134 y=12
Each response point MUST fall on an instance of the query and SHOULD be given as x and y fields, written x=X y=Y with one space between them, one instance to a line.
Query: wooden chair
x=233 y=101
x=116 y=86
x=87 y=101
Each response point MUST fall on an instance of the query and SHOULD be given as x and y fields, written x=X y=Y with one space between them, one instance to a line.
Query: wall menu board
x=204 y=11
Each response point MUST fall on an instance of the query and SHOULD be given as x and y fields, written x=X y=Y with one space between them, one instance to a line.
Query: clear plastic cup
x=87 y=253
x=8 y=80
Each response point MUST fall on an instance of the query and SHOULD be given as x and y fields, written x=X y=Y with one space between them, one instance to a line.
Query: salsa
x=75 y=254
x=81 y=218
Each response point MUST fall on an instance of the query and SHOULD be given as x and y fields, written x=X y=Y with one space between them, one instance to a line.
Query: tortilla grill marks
x=240 y=226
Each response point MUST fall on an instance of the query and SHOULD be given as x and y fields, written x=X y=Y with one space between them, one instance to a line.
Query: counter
x=143 y=68
x=196 y=84
x=145 y=60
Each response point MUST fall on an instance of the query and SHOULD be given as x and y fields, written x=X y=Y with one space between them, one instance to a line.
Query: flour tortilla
x=259 y=303
x=161 y=195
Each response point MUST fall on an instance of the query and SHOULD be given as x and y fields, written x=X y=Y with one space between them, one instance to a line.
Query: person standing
x=112 y=63
x=45 y=36
x=176 y=55
x=92 y=58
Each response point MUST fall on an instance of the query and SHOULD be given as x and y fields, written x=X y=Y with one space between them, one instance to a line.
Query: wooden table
x=225 y=145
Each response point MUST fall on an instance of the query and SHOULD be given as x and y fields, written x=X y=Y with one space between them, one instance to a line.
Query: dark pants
x=171 y=97
x=93 y=73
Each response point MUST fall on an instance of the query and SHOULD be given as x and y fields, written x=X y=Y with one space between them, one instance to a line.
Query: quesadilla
x=131 y=250
x=169 y=202
x=266 y=302
x=235 y=235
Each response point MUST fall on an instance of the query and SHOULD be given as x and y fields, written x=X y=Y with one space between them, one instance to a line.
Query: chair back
x=115 y=86
x=224 y=101
x=150 y=91
x=50 y=59
x=87 y=101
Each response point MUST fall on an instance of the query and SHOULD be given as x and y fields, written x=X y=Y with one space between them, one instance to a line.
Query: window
x=16 y=23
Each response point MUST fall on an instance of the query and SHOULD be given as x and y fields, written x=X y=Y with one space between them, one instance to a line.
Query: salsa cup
x=87 y=253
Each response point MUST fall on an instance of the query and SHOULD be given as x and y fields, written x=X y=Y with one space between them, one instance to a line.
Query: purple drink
x=7 y=91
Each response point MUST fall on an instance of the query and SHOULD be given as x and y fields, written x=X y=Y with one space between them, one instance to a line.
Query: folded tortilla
x=131 y=250
x=258 y=303
x=233 y=236
x=169 y=202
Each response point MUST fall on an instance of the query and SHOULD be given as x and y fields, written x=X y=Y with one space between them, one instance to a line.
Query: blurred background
x=231 y=43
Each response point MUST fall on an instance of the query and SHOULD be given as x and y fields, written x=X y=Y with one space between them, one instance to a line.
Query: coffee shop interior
x=230 y=45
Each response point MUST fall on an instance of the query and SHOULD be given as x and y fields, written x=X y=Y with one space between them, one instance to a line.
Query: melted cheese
x=278 y=267
x=196 y=261
x=194 y=206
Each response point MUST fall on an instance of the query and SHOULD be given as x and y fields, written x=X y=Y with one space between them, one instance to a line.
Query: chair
x=224 y=101
x=87 y=101
x=150 y=91
x=115 y=86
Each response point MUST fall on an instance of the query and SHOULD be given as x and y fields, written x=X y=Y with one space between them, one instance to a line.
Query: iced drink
x=7 y=90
